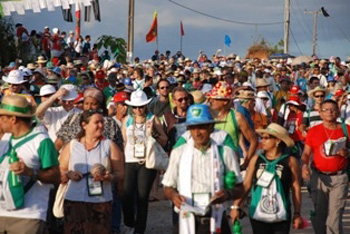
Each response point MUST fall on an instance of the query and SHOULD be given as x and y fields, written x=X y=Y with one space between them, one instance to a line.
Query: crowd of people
x=241 y=137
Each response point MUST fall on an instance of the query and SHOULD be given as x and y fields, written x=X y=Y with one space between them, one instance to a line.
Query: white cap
x=262 y=94
x=55 y=30
x=72 y=92
x=47 y=90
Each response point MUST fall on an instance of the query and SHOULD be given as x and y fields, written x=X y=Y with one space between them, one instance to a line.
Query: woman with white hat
x=272 y=170
x=138 y=179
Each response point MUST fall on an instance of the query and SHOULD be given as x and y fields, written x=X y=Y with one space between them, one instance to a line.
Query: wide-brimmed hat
x=72 y=92
x=31 y=66
x=40 y=71
x=138 y=98
x=279 y=132
x=221 y=90
x=41 y=59
x=293 y=100
x=56 y=70
x=47 y=90
x=199 y=114
x=262 y=94
x=15 y=105
x=261 y=82
x=246 y=94
x=14 y=77
x=317 y=89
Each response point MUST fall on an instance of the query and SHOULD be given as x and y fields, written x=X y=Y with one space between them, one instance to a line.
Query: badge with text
x=139 y=150
x=265 y=179
x=94 y=187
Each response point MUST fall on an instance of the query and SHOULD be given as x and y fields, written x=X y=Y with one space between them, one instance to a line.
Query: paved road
x=160 y=220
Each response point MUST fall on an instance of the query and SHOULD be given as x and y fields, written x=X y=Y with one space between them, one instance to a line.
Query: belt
x=202 y=220
x=331 y=173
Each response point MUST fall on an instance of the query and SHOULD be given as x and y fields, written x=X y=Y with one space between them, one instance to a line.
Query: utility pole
x=314 y=38
x=130 y=45
x=286 y=27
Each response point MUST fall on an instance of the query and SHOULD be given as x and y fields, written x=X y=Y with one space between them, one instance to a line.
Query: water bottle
x=237 y=229
x=230 y=180
x=15 y=179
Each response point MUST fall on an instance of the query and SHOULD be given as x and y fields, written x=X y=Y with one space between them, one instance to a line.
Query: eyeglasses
x=328 y=109
x=319 y=96
x=182 y=99
x=164 y=87
x=138 y=107
x=267 y=138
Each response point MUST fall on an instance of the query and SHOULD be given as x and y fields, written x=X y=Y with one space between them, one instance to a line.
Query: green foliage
x=8 y=51
x=262 y=45
x=116 y=45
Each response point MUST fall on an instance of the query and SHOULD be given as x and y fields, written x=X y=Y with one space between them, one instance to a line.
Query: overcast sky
x=204 y=33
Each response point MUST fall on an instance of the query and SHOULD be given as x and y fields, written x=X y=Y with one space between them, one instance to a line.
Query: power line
x=222 y=19
x=295 y=41
x=300 y=23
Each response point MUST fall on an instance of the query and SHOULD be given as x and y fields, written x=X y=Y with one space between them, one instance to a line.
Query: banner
x=153 y=32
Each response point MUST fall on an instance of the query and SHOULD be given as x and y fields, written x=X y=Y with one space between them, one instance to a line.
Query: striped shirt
x=311 y=118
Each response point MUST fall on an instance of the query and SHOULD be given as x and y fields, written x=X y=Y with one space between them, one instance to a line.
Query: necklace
x=325 y=130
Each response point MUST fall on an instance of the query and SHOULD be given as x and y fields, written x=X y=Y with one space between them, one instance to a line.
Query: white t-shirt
x=38 y=153
x=54 y=118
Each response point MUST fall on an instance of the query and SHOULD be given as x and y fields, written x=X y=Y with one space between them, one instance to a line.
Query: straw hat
x=317 y=89
x=261 y=82
x=138 y=98
x=31 y=66
x=279 y=132
x=198 y=97
x=15 y=105
x=41 y=59
x=246 y=94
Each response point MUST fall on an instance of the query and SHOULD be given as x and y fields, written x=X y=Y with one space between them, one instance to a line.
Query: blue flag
x=227 y=40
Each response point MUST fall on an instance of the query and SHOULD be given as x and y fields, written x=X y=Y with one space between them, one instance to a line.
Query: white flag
x=28 y=4
x=42 y=4
x=65 y=4
x=50 y=5
x=19 y=8
x=35 y=6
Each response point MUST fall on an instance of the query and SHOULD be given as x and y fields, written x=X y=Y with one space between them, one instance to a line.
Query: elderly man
x=54 y=117
x=329 y=179
x=196 y=172
x=37 y=168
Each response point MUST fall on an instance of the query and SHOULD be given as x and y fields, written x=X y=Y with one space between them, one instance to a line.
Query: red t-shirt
x=293 y=123
x=315 y=138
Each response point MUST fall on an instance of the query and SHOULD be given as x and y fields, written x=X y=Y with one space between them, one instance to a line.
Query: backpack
x=269 y=203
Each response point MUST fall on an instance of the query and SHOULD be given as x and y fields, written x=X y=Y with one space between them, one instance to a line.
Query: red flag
x=77 y=18
x=182 y=29
x=153 y=31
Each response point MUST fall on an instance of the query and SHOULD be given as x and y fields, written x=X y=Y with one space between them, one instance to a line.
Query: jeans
x=138 y=182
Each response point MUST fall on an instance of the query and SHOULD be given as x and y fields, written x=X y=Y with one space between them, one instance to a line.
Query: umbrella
x=301 y=59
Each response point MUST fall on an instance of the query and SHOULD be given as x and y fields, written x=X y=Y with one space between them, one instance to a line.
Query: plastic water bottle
x=15 y=179
x=230 y=180
x=237 y=229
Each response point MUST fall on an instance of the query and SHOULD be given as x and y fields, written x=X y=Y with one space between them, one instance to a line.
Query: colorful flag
x=182 y=29
x=227 y=40
x=153 y=32
x=77 y=18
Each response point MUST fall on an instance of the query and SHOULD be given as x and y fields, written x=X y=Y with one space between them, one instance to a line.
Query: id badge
x=94 y=187
x=139 y=150
x=291 y=129
x=265 y=179
x=201 y=200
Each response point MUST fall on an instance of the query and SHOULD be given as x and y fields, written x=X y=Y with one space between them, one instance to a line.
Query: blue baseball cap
x=56 y=70
x=199 y=114
x=127 y=81
x=330 y=78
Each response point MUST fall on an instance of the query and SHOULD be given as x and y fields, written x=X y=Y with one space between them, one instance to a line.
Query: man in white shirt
x=54 y=117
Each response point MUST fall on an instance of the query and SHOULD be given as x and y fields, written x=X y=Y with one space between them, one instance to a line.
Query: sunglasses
x=182 y=99
x=164 y=87
x=138 y=107
x=267 y=138
x=319 y=96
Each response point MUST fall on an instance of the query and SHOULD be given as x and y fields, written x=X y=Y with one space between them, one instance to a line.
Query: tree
x=116 y=45
x=7 y=42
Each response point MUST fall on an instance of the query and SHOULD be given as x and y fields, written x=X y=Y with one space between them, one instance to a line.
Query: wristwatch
x=34 y=174
x=234 y=207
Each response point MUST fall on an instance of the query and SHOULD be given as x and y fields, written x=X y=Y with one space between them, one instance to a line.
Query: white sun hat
x=138 y=98
x=47 y=90
x=72 y=92
x=262 y=94
x=14 y=77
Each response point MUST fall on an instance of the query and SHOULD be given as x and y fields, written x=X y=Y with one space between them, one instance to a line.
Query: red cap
x=79 y=98
x=100 y=74
x=294 y=100
x=339 y=92
x=121 y=96
x=294 y=89
x=83 y=68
